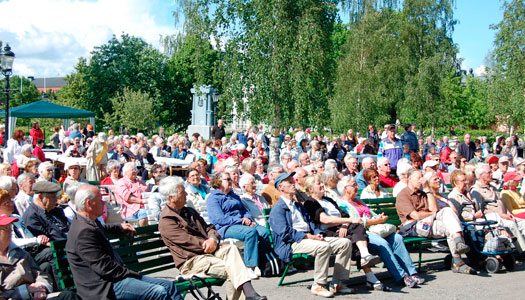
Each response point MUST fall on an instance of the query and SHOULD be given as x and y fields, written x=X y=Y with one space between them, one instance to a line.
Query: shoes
x=341 y=289
x=320 y=290
x=257 y=271
x=258 y=297
x=437 y=247
x=369 y=261
x=462 y=248
x=252 y=274
x=378 y=286
x=409 y=282
x=291 y=270
x=417 y=279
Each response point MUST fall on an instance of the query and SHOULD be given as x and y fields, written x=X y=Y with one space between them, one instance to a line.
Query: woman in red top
x=36 y=133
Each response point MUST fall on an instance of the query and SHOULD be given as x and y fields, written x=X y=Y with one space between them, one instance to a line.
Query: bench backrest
x=145 y=252
x=386 y=206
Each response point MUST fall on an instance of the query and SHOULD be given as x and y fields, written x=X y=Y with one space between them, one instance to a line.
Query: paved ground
x=441 y=284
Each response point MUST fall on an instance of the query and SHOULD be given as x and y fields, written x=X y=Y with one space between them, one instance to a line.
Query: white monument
x=203 y=110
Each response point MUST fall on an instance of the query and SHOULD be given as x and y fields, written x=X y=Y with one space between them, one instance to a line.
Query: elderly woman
x=259 y=171
x=66 y=143
x=391 y=248
x=119 y=156
x=512 y=199
x=113 y=168
x=5 y=169
x=372 y=190
x=334 y=222
x=431 y=185
x=254 y=203
x=73 y=174
x=235 y=176
x=402 y=171
x=25 y=156
x=14 y=146
x=232 y=220
x=128 y=192
x=196 y=192
x=315 y=153
x=45 y=170
x=330 y=179
x=258 y=151
x=32 y=167
x=180 y=152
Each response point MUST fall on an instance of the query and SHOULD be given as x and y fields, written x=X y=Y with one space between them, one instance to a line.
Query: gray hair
x=247 y=164
x=143 y=151
x=275 y=168
x=128 y=167
x=83 y=193
x=230 y=169
x=23 y=177
x=367 y=160
x=411 y=172
x=26 y=147
x=330 y=164
x=348 y=157
x=244 y=179
x=168 y=186
x=43 y=166
x=6 y=182
x=75 y=126
x=72 y=188
x=403 y=168
x=314 y=142
x=330 y=174
x=344 y=182
x=481 y=168
x=112 y=164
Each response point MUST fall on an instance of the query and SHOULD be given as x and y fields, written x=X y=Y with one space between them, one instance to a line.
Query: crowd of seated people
x=316 y=188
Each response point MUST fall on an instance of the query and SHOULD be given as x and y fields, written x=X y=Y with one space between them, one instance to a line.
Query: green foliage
x=133 y=109
x=507 y=93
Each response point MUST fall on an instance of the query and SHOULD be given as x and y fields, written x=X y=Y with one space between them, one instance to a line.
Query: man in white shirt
x=25 y=194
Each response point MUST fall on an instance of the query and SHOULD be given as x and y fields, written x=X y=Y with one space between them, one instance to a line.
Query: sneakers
x=339 y=288
x=369 y=261
x=251 y=272
x=321 y=291
x=417 y=279
x=409 y=282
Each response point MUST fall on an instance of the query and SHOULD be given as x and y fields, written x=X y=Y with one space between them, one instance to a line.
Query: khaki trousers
x=321 y=250
x=226 y=263
x=446 y=224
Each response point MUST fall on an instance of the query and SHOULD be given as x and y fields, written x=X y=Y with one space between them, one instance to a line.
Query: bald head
x=369 y=163
x=304 y=159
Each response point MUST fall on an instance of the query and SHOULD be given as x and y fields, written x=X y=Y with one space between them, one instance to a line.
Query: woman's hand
x=382 y=218
x=343 y=231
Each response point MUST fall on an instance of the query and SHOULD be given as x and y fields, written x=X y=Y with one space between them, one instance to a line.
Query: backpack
x=270 y=264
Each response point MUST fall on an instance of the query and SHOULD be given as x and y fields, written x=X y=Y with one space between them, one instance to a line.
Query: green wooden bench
x=145 y=252
x=388 y=207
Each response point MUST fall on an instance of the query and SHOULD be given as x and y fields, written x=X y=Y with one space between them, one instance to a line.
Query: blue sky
x=48 y=36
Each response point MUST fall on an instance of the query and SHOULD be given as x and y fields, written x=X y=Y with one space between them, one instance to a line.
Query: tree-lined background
x=295 y=63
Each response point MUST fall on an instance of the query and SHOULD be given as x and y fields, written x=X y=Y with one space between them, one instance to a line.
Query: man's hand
x=343 y=232
x=507 y=217
x=44 y=240
x=38 y=291
x=128 y=229
x=247 y=222
x=356 y=220
x=317 y=237
x=478 y=215
x=209 y=245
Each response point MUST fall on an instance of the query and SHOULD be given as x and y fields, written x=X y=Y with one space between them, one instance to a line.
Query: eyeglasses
x=227 y=179
x=351 y=185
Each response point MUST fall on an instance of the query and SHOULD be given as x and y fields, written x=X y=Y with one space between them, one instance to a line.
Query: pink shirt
x=362 y=210
x=126 y=188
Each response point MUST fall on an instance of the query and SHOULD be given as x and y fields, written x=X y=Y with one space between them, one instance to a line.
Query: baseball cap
x=503 y=159
x=430 y=164
x=493 y=160
x=6 y=220
x=391 y=126
x=512 y=176
x=282 y=178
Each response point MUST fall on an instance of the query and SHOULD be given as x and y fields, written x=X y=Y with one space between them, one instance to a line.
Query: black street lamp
x=6 y=65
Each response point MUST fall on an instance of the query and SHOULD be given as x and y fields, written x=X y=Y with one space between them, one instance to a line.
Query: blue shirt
x=225 y=210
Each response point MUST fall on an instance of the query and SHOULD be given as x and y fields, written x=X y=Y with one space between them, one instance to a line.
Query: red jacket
x=39 y=154
x=445 y=156
x=387 y=182
x=36 y=134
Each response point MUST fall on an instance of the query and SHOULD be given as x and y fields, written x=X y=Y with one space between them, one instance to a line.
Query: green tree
x=507 y=94
x=133 y=109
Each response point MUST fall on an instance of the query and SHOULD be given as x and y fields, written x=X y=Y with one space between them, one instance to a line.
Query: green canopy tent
x=46 y=109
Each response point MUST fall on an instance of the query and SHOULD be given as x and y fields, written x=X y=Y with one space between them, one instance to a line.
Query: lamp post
x=6 y=64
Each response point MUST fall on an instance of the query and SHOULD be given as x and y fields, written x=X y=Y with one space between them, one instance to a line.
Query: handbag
x=383 y=230
x=196 y=292
x=424 y=226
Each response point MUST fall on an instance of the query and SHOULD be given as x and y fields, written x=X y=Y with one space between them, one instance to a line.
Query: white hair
x=72 y=188
x=168 y=186
x=82 y=195
x=128 y=167
x=43 y=166
x=403 y=168
x=343 y=182
x=112 y=164
x=245 y=178
x=23 y=177
x=348 y=157
x=275 y=168
x=381 y=160
x=481 y=168
x=330 y=164
x=229 y=162
x=6 y=182
x=367 y=160
x=26 y=147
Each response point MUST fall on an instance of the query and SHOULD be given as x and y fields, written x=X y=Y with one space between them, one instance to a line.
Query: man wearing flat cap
x=43 y=217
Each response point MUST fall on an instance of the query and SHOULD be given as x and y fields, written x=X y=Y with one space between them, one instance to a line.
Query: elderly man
x=218 y=131
x=467 y=147
x=292 y=165
x=294 y=232
x=269 y=192
x=351 y=165
x=367 y=163
x=97 y=270
x=503 y=167
x=194 y=244
x=420 y=216
x=385 y=179
x=391 y=147
x=158 y=149
x=299 y=177
x=128 y=192
x=25 y=193
x=285 y=159
x=43 y=217
x=488 y=196
x=304 y=159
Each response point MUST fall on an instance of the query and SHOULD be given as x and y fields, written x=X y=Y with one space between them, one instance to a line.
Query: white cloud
x=48 y=36
x=480 y=71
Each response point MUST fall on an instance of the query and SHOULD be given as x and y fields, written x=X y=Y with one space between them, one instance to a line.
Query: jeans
x=251 y=236
x=145 y=288
x=394 y=254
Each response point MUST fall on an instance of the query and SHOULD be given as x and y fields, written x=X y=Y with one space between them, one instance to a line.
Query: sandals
x=378 y=286
x=463 y=268
x=462 y=248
